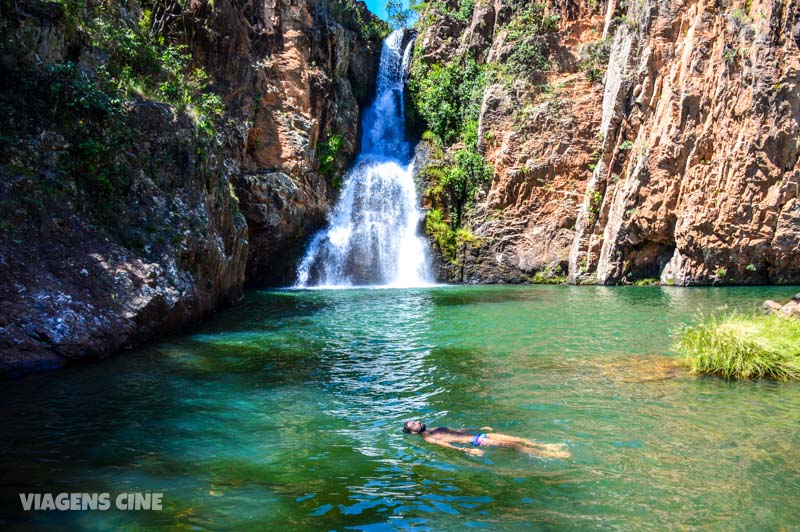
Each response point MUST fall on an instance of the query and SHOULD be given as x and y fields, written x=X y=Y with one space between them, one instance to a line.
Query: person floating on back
x=483 y=437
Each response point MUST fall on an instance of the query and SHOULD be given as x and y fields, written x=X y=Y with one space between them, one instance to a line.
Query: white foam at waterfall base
x=372 y=237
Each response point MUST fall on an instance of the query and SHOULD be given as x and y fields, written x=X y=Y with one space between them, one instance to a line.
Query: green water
x=285 y=413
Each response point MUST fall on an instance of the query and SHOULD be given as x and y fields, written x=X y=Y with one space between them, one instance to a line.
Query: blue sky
x=379 y=7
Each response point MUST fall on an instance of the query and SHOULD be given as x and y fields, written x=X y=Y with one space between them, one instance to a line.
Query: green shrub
x=465 y=9
x=441 y=233
x=398 y=15
x=464 y=178
x=594 y=59
x=730 y=55
x=446 y=238
x=532 y=20
x=626 y=145
x=550 y=276
x=430 y=136
x=356 y=18
x=444 y=97
x=93 y=115
x=328 y=152
x=88 y=111
x=527 y=57
x=737 y=346
x=595 y=204
x=525 y=31
x=87 y=105
x=142 y=64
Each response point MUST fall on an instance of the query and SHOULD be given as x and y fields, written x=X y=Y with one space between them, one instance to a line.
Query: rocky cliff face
x=657 y=140
x=295 y=74
x=124 y=217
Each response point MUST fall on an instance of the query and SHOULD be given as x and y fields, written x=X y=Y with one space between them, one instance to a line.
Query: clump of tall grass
x=741 y=346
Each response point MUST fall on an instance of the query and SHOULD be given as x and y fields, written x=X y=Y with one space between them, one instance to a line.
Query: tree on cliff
x=400 y=16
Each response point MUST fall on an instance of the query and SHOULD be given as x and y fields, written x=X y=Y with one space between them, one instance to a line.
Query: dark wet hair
x=407 y=426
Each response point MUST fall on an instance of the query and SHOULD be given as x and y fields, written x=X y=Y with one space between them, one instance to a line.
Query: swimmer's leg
x=553 y=451
x=549 y=450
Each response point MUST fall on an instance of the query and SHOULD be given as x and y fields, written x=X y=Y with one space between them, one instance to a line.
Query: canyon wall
x=656 y=142
x=295 y=73
x=154 y=157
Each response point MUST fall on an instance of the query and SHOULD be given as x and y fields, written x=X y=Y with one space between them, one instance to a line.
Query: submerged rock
x=788 y=310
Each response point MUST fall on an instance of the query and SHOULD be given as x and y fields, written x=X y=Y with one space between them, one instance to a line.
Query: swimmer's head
x=414 y=427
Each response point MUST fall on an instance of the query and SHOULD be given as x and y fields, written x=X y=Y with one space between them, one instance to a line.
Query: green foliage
x=357 y=18
x=751 y=268
x=433 y=98
x=626 y=145
x=594 y=159
x=98 y=132
x=86 y=104
x=532 y=20
x=441 y=233
x=141 y=64
x=457 y=184
x=527 y=56
x=721 y=272
x=447 y=97
x=400 y=17
x=647 y=281
x=430 y=136
x=435 y=143
x=461 y=12
x=73 y=11
x=595 y=203
x=594 y=59
x=737 y=346
x=550 y=275
x=88 y=111
x=463 y=179
x=465 y=9
x=328 y=152
x=528 y=48
x=730 y=55
x=739 y=17
x=447 y=239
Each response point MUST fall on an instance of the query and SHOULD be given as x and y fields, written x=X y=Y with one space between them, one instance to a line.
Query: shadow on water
x=457 y=295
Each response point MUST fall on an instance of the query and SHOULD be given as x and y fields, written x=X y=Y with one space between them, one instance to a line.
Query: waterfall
x=372 y=234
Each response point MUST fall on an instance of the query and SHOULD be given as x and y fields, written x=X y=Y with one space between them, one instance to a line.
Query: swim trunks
x=479 y=439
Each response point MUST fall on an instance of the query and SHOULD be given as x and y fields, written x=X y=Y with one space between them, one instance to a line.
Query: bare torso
x=470 y=442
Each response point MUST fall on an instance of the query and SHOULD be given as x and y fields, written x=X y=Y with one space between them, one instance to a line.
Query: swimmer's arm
x=468 y=450
x=470 y=429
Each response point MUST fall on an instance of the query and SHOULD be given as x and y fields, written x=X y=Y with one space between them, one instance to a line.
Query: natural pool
x=285 y=413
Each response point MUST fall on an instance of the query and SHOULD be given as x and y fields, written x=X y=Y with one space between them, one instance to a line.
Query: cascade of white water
x=372 y=235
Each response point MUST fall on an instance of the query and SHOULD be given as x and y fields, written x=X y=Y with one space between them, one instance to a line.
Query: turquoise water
x=285 y=413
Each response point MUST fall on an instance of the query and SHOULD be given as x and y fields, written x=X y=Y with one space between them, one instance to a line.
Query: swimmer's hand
x=487 y=429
